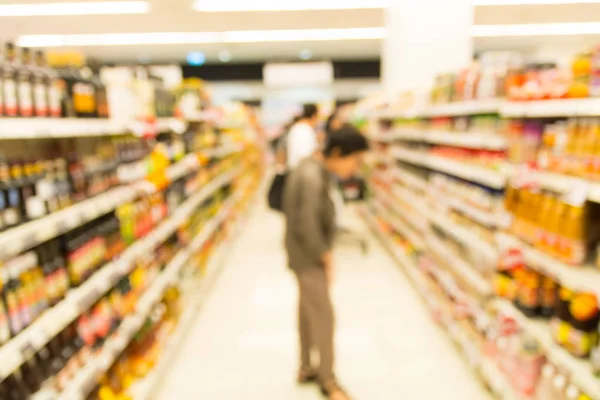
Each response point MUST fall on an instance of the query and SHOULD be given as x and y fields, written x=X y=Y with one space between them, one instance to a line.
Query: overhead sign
x=298 y=74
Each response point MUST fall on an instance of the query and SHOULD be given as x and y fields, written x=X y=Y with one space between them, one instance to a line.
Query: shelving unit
x=195 y=296
x=471 y=140
x=480 y=365
x=87 y=378
x=25 y=236
x=54 y=128
x=473 y=173
x=580 y=371
x=410 y=146
x=55 y=319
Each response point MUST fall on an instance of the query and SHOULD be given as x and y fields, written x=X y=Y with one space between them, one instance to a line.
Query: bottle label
x=41 y=100
x=25 y=99
x=10 y=98
x=54 y=99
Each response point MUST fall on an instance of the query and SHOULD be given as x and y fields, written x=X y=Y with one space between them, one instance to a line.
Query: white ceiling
x=178 y=16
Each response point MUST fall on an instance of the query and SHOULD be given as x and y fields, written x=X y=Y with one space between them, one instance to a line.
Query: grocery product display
x=488 y=198
x=106 y=230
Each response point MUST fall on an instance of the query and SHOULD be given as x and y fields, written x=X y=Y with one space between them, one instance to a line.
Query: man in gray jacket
x=310 y=219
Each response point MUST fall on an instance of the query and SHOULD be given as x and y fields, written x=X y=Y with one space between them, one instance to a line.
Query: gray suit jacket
x=309 y=213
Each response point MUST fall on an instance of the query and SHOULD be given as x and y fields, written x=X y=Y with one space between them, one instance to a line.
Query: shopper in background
x=282 y=140
x=302 y=139
x=310 y=219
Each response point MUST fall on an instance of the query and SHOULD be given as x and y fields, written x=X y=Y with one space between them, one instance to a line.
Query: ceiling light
x=529 y=2
x=303 y=35
x=121 y=39
x=118 y=39
x=305 y=54
x=286 y=5
x=224 y=56
x=558 y=29
x=76 y=8
x=196 y=58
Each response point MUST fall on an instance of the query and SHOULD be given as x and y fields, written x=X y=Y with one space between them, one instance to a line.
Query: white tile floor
x=243 y=344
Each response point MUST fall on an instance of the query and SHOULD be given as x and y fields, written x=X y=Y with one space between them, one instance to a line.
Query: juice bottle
x=556 y=226
x=544 y=217
x=573 y=242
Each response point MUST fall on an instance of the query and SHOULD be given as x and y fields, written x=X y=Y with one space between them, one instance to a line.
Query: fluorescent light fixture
x=123 y=39
x=285 y=5
x=558 y=29
x=117 y=39
x=303 y=35
x=530 y=2
x=76 y=8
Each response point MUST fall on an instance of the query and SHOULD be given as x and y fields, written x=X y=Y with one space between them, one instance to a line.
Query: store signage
x=298 y=74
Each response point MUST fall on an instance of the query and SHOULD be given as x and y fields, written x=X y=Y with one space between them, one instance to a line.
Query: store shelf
x=558 y=183
x=15 y=240
x=582 y=278
x=25 y=236
x=457 y=109
x=483 y=217
x=473 y=107
x=407 y=265
x=488 y=370
x=484 y=176
x=460 y=268
x=458 y=232
x=411 y=179
x=470 y=172
x=55 y=128
x=580 y=371
x=400 y=227
x=194 y=298
x=551 y=108
x=54 y=320
x=84 y=382
x=472 y=140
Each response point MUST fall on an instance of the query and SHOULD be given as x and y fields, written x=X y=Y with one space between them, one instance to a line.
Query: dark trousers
x=315 y=321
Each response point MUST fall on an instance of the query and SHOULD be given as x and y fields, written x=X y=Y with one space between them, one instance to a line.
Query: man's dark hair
x=310 y=110
x=345 y=141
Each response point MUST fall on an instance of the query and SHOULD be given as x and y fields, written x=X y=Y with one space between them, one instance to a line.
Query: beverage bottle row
x=30 y=88
x=31 y=188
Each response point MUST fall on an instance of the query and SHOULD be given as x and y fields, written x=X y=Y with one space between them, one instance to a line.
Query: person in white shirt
x=302 y=139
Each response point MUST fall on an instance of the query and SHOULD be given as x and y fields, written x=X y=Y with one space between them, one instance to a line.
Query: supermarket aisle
x=244 y=346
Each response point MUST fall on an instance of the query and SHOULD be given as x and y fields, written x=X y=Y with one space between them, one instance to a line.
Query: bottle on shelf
x=41 y=86
x=9 y=81
x=25 y=85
